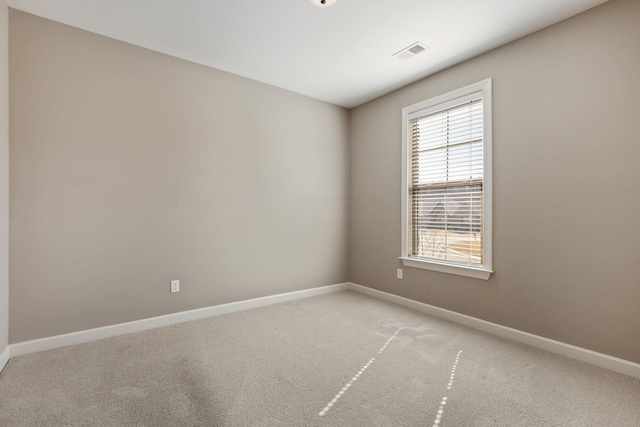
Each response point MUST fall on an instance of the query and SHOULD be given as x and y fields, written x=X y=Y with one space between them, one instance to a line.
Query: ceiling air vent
x=411 y=51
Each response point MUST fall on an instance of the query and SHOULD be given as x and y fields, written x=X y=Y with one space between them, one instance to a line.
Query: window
x=446 y=183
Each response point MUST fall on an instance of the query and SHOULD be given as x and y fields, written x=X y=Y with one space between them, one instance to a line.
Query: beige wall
x=130 y=168
x=566 y=121
x=4 y=176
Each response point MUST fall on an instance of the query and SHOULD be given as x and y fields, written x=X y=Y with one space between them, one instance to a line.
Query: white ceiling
x=340 y=54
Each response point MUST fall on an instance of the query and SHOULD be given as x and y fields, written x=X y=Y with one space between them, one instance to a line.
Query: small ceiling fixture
x=411 y=51
x=323 y=3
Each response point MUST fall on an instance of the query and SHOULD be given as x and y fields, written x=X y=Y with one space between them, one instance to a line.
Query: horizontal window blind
x=446 y=184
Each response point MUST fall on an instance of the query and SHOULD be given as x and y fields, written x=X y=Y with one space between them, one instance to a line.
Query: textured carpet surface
x=341 y=359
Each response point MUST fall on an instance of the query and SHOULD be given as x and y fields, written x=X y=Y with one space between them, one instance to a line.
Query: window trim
x=442 y=101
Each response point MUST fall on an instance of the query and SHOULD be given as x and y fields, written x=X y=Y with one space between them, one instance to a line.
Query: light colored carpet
x=341 y=359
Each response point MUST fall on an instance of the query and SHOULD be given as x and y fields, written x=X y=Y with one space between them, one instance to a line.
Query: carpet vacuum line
x=364 y=368
x=436 y=422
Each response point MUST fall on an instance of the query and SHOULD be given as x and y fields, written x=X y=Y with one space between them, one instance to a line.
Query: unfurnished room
x=320 y=213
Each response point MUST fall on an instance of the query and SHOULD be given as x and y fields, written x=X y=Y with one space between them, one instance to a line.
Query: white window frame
x=439 y=102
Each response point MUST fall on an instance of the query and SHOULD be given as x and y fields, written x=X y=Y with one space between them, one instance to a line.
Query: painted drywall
x=130 y=168
x=4 y=177
x=566 y=157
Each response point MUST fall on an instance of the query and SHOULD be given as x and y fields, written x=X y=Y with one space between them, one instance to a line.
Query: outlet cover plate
x=175 y=286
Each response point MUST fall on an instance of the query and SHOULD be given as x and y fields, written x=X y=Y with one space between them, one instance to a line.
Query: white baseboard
x=594 y=358
x=80 y=337
x=598 y=359
x=4 y=358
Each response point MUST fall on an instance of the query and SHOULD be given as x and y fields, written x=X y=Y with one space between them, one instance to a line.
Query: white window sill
x=460 y=270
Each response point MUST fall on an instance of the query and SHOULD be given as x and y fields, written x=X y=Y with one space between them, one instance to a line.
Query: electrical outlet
x=399 y=274
x=175 y=286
